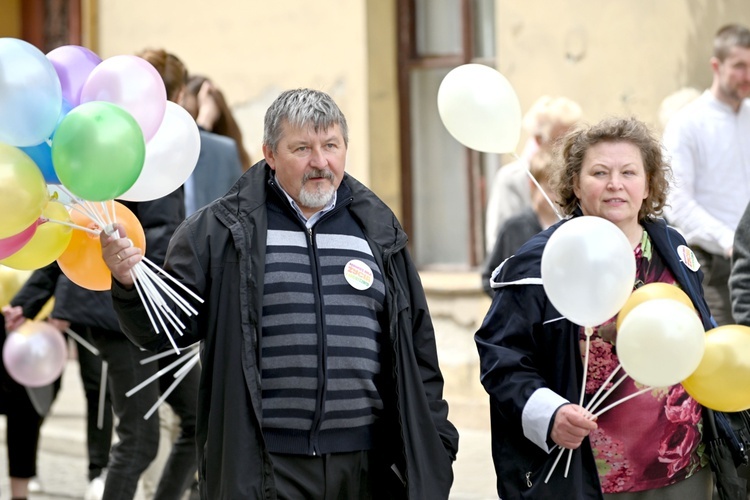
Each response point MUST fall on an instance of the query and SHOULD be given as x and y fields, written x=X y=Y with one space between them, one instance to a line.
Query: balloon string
x=559 y=455
x=536 y=183
x=164 y=354
x=626 y=398
x=596 y=405
x=603 y=386
x=588 y=332
x=171 y=388
x=102 y=396
x=74 y=226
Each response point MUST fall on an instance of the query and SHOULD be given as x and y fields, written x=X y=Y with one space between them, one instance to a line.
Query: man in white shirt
x=709 y=144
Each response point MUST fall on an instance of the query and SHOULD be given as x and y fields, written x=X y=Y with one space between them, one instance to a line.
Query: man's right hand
x=572 y=424
x=13 y=317
x=120 y=255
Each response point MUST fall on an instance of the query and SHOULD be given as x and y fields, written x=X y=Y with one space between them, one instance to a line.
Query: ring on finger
x=119 y=257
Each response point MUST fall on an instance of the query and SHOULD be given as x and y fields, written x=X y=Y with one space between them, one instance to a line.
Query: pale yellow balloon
x=722 y=380
x=48 y=243
x=11 y=280
x=652 y=291
x=23 y=192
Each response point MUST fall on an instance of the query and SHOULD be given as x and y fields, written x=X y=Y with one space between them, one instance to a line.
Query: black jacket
x=519 y=354
x=220 y=254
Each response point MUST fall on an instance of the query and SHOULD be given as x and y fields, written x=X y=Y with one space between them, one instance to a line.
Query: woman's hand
x=13 y=317
x=572 y=424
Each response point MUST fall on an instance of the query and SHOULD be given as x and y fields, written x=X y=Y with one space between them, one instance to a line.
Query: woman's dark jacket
x=220 y=254
x=520 y=353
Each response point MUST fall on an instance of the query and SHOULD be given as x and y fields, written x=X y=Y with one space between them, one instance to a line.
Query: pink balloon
x=132 y=83
x=35 y=354
x=73 y=65
x=12 y=244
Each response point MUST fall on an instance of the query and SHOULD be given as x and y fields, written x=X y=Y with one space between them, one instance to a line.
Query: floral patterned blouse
x=654 y=439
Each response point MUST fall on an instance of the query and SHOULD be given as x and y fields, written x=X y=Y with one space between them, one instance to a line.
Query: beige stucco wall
x=254 y=49
x=614 y=57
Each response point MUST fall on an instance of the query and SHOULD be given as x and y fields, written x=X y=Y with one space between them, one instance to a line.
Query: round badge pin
x=358 y=274
x=688 y=258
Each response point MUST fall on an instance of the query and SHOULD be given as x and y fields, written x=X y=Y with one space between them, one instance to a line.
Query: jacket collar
x=250 y=191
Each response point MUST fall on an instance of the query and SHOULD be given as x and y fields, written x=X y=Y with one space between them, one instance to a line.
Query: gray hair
x=302 y=108
x=731 y=35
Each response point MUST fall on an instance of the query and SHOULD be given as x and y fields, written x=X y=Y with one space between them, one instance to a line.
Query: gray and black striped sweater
x=320 y=348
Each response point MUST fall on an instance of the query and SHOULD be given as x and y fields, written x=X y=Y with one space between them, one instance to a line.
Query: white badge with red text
x=358 y=274
x=688 y=258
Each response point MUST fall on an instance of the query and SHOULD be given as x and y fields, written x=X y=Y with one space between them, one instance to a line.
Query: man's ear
x=715 y=63
x=269 y=156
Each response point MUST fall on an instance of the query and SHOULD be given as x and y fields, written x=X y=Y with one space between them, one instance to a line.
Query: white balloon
x=660 y=342
x=588 y=270
x=480 y=109
x=171 y=156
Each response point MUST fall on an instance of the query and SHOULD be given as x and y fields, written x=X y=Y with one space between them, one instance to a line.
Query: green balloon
x=98 y=151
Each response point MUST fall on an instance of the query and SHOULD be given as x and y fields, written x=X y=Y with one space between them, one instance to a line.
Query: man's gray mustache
x=326 y=174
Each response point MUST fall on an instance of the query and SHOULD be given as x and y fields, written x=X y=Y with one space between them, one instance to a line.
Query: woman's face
x=612 y=183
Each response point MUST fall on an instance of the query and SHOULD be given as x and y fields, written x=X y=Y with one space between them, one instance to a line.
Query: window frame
x=408 y=61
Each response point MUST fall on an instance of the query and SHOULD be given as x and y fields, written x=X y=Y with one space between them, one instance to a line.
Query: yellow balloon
x=652 y=291
x=23 y=192
x=722 y=380
x=47 y=244
x=11 y=280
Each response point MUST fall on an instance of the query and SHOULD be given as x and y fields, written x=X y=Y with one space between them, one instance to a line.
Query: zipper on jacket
x=323 y=372
x=529 y=484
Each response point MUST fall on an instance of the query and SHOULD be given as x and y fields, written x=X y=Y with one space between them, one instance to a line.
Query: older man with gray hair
x=320 y=370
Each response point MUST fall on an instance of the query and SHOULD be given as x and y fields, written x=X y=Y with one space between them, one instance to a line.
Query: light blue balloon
x=30 y=94
x=42 y=153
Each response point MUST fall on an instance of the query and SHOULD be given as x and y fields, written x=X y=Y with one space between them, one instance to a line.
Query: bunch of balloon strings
x=596 y=401
x=187 y=361
x=151 y=282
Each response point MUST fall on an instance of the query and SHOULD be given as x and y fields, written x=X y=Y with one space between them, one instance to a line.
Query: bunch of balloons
x=86 y=130
x=588 y=271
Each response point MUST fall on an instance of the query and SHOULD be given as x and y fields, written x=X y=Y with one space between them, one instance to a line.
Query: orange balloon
x=82 y=261
x=653 y=291
x=722 y=380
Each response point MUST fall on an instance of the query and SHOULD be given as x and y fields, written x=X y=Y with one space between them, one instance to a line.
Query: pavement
x=62 y=463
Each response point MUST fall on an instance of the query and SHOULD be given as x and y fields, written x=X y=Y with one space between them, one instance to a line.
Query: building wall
x=613 y=57
x=10 y=18
x=254 y=49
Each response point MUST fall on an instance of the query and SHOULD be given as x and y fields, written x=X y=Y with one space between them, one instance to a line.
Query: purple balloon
x=73 y=65
x=133 y=84
x=35 y=355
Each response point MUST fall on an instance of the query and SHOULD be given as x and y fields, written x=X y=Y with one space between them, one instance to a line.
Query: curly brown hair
x=573 y=148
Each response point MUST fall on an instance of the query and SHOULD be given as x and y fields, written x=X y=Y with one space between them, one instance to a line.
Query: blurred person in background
x=222 y=156
x=548 y=119
x=519 y=228
x=710 y=155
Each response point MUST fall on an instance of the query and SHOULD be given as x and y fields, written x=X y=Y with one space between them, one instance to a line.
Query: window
x=443 y=194
x=48 y=24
